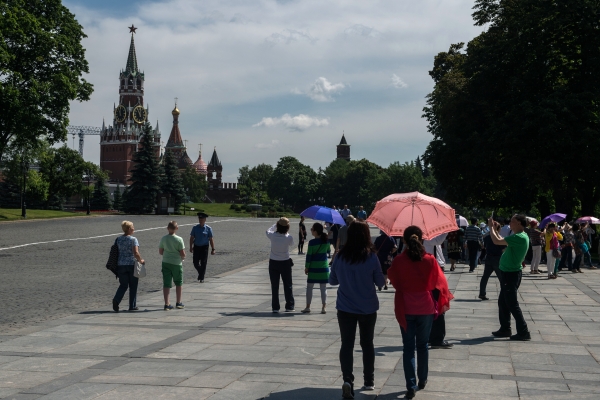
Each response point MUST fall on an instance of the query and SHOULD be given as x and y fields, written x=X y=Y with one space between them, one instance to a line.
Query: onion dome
x=200 y=166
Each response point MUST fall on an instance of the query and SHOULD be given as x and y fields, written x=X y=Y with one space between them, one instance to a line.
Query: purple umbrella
x=552 y=218
x=322 y=213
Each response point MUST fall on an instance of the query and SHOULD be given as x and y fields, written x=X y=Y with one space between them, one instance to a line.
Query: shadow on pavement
x=260 y=314
x=475 y=340
x=322 y=394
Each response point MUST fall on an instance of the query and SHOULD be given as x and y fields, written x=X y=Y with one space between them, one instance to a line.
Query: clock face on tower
x=139 y=114
x=120 y=113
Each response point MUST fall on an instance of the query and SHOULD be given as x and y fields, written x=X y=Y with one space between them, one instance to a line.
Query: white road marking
x=114 y=234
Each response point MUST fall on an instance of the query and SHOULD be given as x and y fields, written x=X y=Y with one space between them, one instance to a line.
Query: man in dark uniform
x=200 y=238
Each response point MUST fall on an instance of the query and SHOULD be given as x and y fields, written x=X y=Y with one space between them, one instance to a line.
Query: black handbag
x=113 y=259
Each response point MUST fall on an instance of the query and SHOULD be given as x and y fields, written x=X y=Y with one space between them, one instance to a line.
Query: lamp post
x=88 y=193
x=25 y=168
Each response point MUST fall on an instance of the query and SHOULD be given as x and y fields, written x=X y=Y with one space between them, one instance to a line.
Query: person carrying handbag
x=128 y=254
x=552 y=248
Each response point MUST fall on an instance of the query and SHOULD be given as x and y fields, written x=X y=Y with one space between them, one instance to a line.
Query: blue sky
x=265 y=79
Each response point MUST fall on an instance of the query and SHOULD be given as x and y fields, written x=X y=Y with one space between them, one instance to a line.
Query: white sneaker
x=368 y=387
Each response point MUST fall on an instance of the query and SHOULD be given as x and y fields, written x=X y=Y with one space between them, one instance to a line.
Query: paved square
x=227 y=344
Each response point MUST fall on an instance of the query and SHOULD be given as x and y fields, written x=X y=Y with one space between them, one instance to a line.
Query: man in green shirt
x=172 y=249
x=511 y=273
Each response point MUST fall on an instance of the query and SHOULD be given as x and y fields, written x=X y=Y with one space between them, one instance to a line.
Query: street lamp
x=25 y=168
x=88 y=193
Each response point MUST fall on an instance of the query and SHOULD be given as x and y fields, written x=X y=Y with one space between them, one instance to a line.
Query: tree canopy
x=293 y=182
x=515 y=115
x=41 y=66
x=171 y=183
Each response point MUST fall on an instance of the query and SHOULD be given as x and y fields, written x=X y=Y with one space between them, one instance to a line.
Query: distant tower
x=120 y=141
x=343 y=149
x=200 y=166
x=214 y=167
x=175 y=144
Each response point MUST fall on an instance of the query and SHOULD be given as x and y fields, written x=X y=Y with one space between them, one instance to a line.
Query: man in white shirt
x=434 y=246
x=505 y=230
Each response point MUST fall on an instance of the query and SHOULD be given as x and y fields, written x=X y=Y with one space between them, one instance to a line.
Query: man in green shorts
x=511 y=270
x=173 y=251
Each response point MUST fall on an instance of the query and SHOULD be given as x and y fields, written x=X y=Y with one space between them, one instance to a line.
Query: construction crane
x=81 y=131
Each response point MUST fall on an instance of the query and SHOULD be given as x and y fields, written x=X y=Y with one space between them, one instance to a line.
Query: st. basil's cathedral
x=120 y=141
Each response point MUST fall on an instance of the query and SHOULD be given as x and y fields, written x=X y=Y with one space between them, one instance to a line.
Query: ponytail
x=413 y=237
x=317 y=227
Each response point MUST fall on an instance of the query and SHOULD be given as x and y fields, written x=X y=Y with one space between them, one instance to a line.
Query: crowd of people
x=347 y=257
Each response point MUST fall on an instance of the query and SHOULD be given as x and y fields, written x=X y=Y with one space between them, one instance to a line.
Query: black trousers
x=567 y=258
x=508 y=302
x=199 y=260
x=438 y=327
x=473 y=247
x=438 y=330
x=366 y=326
x=492 y=264
x=281 y=269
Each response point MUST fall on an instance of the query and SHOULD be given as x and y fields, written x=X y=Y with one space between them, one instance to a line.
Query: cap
x=533 y=222
x=283 y=221
x=482 y=225
x=202 y=215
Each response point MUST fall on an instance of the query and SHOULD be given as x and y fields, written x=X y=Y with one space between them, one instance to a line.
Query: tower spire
x=132 y=65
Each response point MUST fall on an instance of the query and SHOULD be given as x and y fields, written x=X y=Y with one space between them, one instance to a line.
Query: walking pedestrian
x=454 y=248
x=474 y=242
x=415 y=275
x=172 y=250
x=345 y=212
x=386 y=247
x=128 y=253
x=510 y=277
x=492 y=264
x=280 y=264
x=200 y=237
x=437 y=337
x=586 y=244
x=301 y=236
x=316 y=267
x=536 y=240
x=361 y=214
x=357 y=271
x=552 y=236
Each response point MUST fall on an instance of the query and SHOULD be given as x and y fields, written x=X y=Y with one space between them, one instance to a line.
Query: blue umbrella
x=322 y=213
x=552 y=218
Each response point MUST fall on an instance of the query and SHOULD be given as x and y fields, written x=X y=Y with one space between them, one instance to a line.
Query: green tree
x=253 y=182
x=100 y=195
x=63 y=169
x=117 y=198
x=171 y=183
x=293 y=182
x=143 y=192
x=41 y=65
x=515 y=116
x=195 y=184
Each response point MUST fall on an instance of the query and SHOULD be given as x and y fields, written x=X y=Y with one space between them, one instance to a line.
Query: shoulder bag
x=113 y=259
x=555 y=247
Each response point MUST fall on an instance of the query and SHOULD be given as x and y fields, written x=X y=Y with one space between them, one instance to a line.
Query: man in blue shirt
x=362 y=214
x=200 y=238
x=345 y=212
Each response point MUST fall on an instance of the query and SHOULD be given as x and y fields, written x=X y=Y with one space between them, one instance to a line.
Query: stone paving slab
x=227 y=344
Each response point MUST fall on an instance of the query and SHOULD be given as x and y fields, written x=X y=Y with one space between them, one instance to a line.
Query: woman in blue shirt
x=357 y=270
x=128 y=253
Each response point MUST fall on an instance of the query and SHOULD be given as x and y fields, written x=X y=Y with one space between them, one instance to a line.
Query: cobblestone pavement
x=50 y=280
x=227 y=344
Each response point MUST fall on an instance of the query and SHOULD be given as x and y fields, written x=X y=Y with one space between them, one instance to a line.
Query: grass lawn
x=12 y=214
x=221 y=210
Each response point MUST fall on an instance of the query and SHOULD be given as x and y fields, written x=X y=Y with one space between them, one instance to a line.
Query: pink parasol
x=396 y=212
x=589 y=220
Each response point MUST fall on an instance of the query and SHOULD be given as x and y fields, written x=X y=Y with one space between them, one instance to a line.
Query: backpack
x=113 y=259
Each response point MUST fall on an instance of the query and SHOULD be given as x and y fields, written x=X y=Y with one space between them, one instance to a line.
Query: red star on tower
x=132 y=29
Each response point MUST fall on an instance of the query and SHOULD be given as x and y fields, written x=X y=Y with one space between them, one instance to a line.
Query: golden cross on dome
x=132 y=29
x=176 y=98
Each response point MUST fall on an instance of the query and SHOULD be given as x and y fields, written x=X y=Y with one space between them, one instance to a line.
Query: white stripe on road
x=112 y=234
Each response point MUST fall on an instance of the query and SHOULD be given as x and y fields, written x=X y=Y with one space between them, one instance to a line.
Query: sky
x=264 y=79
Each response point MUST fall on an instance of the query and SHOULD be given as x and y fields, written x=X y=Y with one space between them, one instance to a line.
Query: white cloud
x=397 y=82
x=289 y=36
x=300 y=122
x=272 y=145
x=322 y=90
x=362 y=30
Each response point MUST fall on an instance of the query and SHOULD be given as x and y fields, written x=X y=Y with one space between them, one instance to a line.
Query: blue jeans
x=587 y=258
x=417 y=332
x=126 y=280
